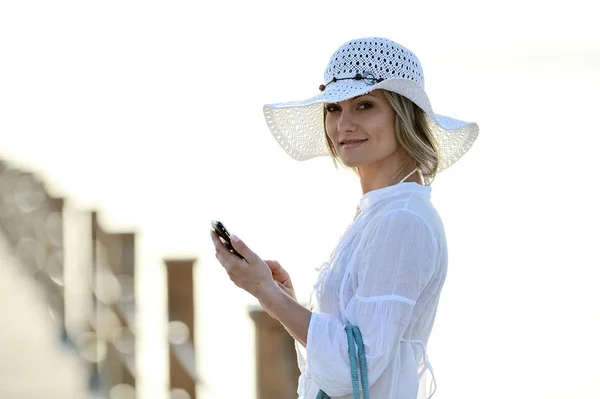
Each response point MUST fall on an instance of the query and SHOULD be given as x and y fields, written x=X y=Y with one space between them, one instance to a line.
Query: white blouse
x=384 y=276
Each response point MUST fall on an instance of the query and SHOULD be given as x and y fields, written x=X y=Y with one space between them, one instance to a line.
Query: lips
x=351 y=143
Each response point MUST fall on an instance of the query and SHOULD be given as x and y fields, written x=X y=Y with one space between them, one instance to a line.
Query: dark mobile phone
x=222 y=232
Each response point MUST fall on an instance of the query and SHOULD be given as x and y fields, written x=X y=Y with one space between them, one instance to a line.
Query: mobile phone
x=222 y=232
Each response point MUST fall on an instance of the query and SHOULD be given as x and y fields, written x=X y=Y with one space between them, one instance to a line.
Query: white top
x=384 y=276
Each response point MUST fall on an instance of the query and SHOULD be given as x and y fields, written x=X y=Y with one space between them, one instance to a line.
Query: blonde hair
x=413 y=134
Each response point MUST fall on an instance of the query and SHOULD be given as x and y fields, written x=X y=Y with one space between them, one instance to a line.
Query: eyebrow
x=361 y=95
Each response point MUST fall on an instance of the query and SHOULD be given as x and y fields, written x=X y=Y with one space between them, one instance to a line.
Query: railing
x=99 y=320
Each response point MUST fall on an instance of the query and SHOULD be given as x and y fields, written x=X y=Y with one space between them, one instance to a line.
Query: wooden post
x=50 y=238
x=16 y=221
x=113 y=259
x=33 y=221
x=10 y=212
x=276 y=364
x=6 y=207
x=180 y=297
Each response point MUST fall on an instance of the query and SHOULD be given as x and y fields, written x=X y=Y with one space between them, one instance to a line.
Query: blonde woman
x=386 y=274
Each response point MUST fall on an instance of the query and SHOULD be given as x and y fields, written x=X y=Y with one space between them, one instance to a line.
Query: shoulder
x=399 y=222
x=415 y=212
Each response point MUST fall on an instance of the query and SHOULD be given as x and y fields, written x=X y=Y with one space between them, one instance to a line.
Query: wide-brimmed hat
x=356 y=68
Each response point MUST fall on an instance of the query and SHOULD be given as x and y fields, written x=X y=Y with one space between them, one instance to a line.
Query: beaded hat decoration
x=360 y=66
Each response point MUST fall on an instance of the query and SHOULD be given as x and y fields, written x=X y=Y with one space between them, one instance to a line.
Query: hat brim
x=298 y=126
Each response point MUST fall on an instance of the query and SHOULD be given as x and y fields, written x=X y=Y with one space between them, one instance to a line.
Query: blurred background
x=126 y=126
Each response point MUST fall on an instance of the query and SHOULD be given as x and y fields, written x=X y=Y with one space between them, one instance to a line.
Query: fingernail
x=234 y=238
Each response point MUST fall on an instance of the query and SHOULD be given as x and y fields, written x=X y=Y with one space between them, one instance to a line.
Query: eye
x=332 y=107
x=365 y=105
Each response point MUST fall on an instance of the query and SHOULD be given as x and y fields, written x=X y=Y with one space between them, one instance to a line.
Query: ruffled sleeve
x=391 y=270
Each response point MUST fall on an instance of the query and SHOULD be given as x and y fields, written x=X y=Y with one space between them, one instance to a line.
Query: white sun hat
x=356 y=68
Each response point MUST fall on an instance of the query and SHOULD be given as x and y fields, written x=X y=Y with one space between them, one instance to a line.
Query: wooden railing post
x=276 y=364
x=33 y=222
x=113 y=260
x=10 y=214
x=180 y=297
x=51 y=240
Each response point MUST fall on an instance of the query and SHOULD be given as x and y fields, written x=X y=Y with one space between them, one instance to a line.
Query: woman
x=387 y=271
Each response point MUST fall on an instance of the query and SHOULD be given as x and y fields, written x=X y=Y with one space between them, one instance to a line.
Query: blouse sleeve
x=394 y=267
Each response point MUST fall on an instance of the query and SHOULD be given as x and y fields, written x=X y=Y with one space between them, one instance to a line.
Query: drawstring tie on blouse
x=426 y=365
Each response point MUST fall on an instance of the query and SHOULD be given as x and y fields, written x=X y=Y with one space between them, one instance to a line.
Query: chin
x=352 y=162
x=355 y=158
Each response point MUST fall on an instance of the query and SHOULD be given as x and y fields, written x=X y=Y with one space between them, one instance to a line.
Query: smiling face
x=361 y=130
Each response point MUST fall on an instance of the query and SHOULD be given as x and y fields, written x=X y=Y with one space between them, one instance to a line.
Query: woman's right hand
x=282 y=277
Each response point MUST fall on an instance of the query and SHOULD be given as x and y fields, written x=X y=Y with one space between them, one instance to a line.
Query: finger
x=273 y=264
x=243 y=249
x=220 y=246
x=216 y=240
x=223 y=255
x=277 y=270
x=222 y=261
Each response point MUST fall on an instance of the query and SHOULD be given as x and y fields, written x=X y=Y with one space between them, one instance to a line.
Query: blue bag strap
x=355 y=342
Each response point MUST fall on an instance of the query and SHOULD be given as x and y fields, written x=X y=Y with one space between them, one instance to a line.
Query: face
x=362 y=129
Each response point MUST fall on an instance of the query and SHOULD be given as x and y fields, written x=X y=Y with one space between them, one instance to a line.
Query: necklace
x=407 y=176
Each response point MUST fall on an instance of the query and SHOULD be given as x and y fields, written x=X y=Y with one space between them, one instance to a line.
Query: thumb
x=243 y=249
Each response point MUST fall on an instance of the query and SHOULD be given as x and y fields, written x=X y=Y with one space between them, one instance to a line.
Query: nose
x=346 y=121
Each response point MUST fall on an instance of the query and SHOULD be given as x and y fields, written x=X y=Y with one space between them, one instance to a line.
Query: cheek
x=330 y=129
x=389 y=131
x=392 y=142
x=391 y=136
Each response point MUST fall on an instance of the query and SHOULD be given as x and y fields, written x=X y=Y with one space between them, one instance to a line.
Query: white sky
x=152 y=111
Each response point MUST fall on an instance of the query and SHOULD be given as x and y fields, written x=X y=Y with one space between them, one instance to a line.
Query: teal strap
x=322 y=395
x=355 y=342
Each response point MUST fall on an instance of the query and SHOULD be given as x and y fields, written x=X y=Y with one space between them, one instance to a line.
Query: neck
x=374 y=177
